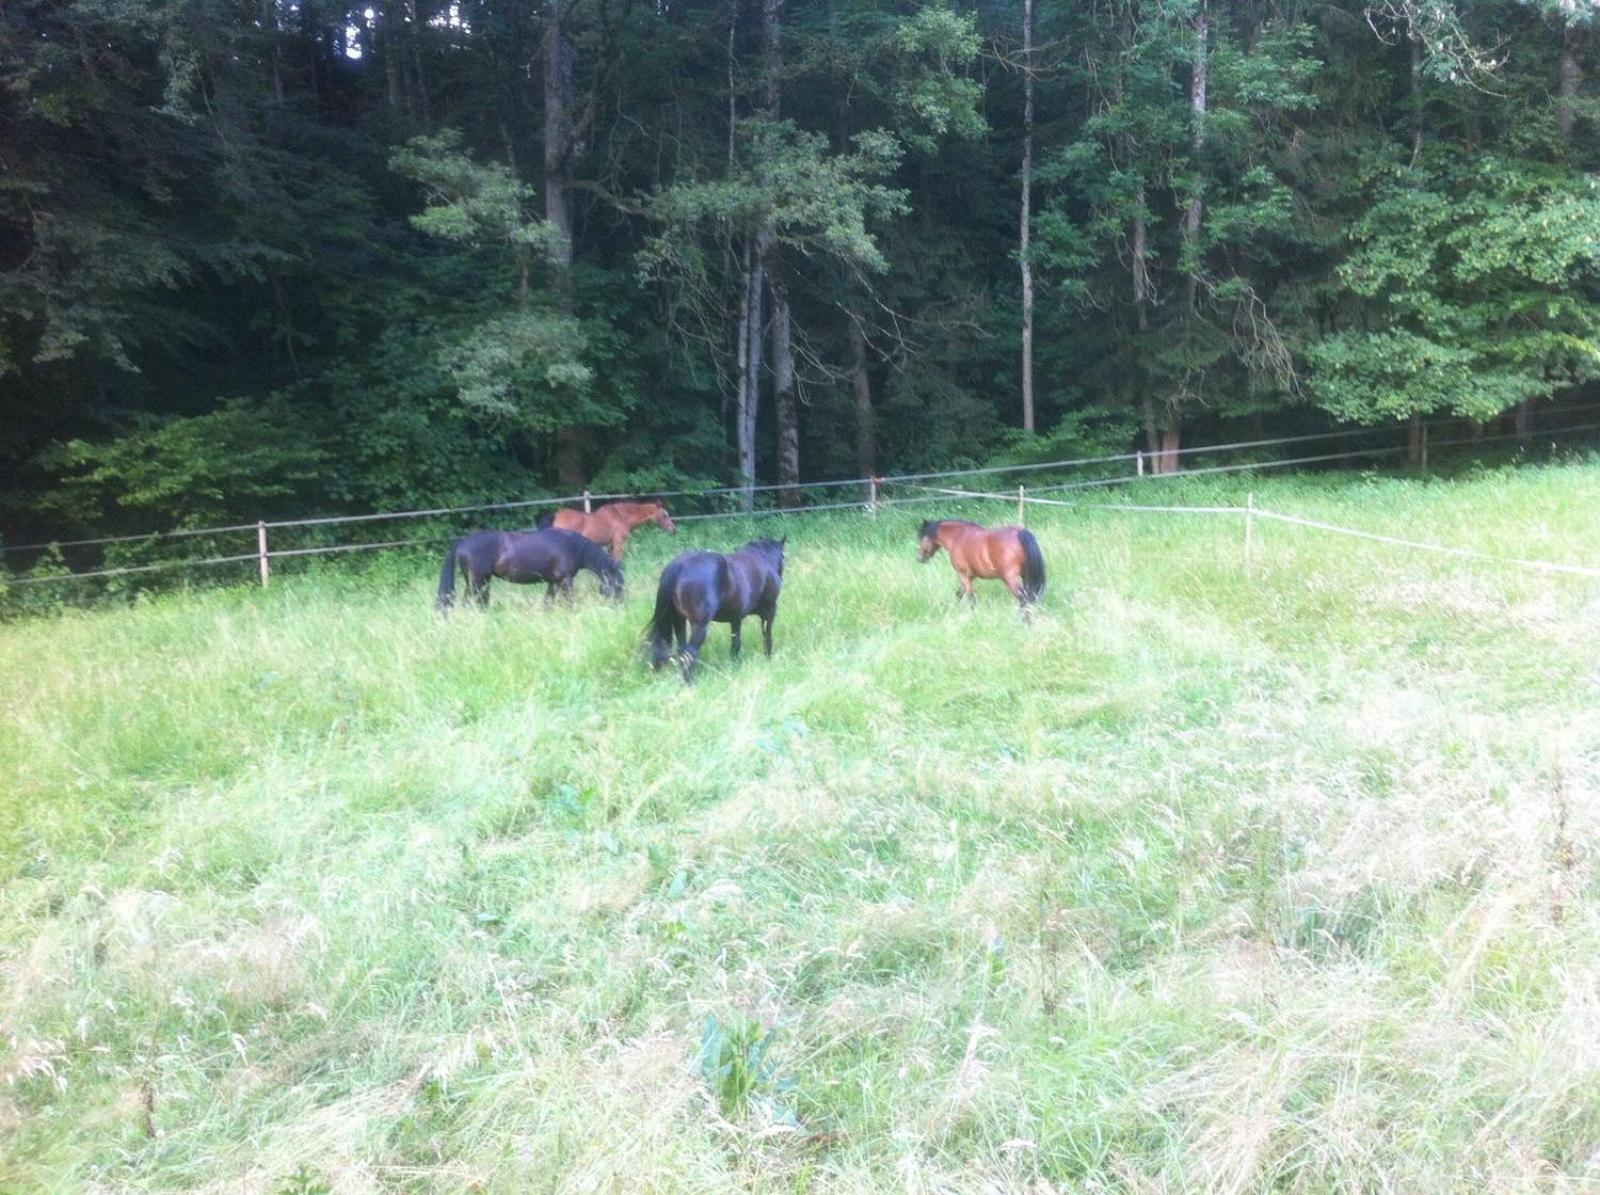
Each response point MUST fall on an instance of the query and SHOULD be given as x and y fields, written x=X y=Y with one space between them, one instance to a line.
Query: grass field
x=1198 y=881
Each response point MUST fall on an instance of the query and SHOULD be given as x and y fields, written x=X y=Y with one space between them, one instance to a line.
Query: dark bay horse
x=550 y=555
x=611 y=523
x=703 y=587
x=1009 y=553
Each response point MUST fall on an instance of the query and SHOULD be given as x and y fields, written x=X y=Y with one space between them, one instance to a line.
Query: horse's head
x=662 y=519
x=928 y=540
x=611 y=581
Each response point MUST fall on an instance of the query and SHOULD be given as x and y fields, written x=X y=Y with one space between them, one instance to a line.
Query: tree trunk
x=1197 y=105
x=1172 y=420
x=757 y=258
x=557 y=97
x=1416 y=441
x=750 y=343
x=1570 y=78
x=1138 y=252
x=1170 y=436
x=1152 y=429
x=785 y=407
x=861 y=380
x=1524 y=419
x=389 y=47
x=1416 y=99
x=1025 y=224
x=571 y=441
x=419 y=81
x=733 y=91
x=771 y=33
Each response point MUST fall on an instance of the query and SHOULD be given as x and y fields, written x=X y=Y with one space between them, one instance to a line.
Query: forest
x=261 y=258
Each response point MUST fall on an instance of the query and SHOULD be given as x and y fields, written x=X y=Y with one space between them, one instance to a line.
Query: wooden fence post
x=261 y=552
x=586 y=502
x=1022 y=508
x=1250 y=534
x=872 y=495
x=1138 y=460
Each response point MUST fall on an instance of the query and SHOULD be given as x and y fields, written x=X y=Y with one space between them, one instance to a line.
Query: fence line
x=1546 y=566
x=433 y=541
x=132 y=568
x=718 y=491
x=1252 y=511
x=906 y=481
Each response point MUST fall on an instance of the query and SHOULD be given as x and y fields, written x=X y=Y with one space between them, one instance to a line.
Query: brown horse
x=611 y=523
x=1009 y=553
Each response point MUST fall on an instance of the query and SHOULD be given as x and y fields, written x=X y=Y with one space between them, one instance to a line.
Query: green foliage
x=1468 y=290
x=786 y=180
x=930 y=92
x=467 y=200
x=342 y=219
x=238 y=461
x=733 y=1060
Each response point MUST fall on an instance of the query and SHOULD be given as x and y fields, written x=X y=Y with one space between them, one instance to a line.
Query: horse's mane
x=931 y=527
x=763 y=545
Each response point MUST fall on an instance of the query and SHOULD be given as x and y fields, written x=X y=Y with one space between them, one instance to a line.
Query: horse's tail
x=447 y=576
x=547 y=519
x=665 y=617
x=1032 y=566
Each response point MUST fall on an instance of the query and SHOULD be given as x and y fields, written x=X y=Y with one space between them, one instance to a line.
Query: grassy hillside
x=1197 y=880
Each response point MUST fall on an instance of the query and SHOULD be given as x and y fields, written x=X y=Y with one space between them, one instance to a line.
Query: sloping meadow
x=1196 y=879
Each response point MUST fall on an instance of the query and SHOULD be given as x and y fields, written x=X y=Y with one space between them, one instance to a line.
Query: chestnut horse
x=610 y=524
x=1008 y=553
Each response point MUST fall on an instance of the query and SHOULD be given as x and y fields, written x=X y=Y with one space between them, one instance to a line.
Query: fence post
x=586 y=502
x=872 y=495
x=1250 y=533
x=1022 y=504
x=261 y=552
x=1138 y=461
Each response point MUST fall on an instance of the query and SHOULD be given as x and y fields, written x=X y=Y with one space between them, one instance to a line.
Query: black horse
x=702 y=587
x=551 y=555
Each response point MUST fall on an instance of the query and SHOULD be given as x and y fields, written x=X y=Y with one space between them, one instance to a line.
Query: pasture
x=1197 y=880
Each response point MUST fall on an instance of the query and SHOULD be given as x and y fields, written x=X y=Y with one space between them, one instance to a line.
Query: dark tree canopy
x=258 y=258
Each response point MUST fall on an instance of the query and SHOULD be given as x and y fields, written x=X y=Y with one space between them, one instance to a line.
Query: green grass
x=1197 y=880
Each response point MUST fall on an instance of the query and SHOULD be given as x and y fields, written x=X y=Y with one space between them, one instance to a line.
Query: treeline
x=259 y=256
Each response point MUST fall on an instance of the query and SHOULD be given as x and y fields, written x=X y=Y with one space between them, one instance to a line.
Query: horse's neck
x=632 y=513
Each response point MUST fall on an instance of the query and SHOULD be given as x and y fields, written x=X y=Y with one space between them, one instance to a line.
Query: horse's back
x=566 y=519
x=987 y=551
x=700 y=581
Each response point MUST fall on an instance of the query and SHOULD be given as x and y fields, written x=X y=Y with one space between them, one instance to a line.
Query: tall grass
x=1197 y=880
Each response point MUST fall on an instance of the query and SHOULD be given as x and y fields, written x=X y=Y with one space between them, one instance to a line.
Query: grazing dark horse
x=703 y=587
x=611 y=523
x=550 y=555
x=1009 y=553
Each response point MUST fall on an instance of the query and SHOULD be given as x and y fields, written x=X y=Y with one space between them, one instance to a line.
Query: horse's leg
x=550 y=593
x=566 y=591
x=766 y=631
x=964 y=588
x=691 y=654
x=1013 y=582
x=680 y=633
x=733 y=650
x=478 y=589
x=617 y=541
